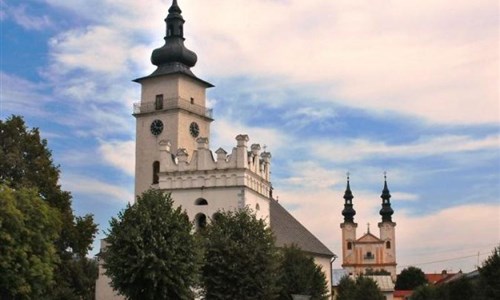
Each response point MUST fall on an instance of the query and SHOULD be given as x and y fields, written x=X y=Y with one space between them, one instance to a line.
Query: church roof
x=288 y=231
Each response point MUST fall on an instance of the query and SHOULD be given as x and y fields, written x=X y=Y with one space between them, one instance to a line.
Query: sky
x=410 y=88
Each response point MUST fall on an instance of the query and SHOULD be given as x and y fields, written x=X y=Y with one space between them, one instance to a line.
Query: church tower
x=172 y=109
x=348 y=227
x=388 y=230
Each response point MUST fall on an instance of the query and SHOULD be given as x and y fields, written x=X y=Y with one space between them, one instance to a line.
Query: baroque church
x=173 y=154
x=369 y=253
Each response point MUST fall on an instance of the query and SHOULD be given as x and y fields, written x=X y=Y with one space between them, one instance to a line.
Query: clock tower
x=172 y=110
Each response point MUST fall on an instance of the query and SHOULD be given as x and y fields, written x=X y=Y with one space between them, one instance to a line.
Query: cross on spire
x=368 y=225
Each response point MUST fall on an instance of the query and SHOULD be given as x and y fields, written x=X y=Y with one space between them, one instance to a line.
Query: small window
x=200 y=221
x=349 y=246
x=159 y=102
x=369 y=255
x=156 y=170
x=192 y=100
x=181 y=31
x=170 y=30
x=388 y=245
x=257 y=207
x=201 y=201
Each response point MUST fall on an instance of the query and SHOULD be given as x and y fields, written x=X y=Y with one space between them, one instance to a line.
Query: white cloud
x=94 y=187
x=435 y=60
x=23 y=18
x=225 y=131
x=17 y=94
x=119 y=154
x=360 y=149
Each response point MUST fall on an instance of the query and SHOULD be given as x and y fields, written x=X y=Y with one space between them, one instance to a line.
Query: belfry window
x=388 y=245
x=156 y=170
x=159 y=102
x=349 y=246
x=170 y=30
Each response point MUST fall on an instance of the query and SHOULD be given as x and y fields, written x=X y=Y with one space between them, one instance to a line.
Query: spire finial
x=368 y=226
x=174 y=57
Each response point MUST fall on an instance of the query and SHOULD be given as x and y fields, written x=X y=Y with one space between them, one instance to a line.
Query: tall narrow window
x=349 y=246
x=388 y=245
x=156 y=170
x=170 y=30
x=159 y=102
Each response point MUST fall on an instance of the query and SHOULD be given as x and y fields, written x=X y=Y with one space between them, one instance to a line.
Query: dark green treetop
x=152 y=254
x=240 y=257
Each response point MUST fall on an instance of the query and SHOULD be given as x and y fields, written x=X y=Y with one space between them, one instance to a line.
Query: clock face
x=194 y=129
x=156 y=127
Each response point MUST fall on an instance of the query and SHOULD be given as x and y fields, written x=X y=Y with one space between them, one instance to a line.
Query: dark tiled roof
x=288 y=231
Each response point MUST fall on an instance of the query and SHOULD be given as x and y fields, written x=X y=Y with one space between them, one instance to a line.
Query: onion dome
x=386 y=211
x=348 y=212
x=174 y=57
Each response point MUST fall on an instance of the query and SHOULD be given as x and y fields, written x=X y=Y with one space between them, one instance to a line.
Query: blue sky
x=409 y=88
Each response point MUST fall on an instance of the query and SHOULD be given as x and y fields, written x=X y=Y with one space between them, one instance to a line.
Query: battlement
x=243 y=167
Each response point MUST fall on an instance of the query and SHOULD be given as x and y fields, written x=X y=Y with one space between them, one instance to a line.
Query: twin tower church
x=173 y=154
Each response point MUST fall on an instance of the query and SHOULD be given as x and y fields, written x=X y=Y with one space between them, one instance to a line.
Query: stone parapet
x=240 y=168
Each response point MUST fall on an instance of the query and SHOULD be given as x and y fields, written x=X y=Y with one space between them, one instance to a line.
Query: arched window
x=349 y=246
x=170 y=30
x=257 y=207
x=201 y=201
x=388 y=245
x=156 y=170
x=200 y=220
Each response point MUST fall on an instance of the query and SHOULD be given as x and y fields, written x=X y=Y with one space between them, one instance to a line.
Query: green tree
x=298 y=274
x=363 y=288
x=346 y=289
x=427 y=292
x=410 y=278
x=489 y=274
x=152 y=253
x=26 y=162
x=240 y=257
x=28 y=229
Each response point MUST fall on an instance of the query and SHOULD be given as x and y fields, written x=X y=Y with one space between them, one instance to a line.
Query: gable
x=369 y=238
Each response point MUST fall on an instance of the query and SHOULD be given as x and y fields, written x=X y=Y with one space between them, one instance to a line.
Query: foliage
x=26 y=162
x=152 y=253
x=240 y=257
x=346 y=289
x=298 y=274
x=489 y=274
x=410 y=278
x=363 y=288
x=377 y=272
x=28 y=229
x=426 y=292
